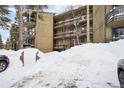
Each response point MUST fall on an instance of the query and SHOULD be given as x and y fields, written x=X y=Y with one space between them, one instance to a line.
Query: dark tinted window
x=118 y=32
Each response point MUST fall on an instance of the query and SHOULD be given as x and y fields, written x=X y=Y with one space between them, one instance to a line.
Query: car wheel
x=3 y=65
x=121 y=79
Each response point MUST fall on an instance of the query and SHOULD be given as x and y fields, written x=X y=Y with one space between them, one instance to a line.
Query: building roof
x=61 y=15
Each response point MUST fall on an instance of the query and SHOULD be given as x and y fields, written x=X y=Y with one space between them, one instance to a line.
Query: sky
x=57 y=8
x=51 y=8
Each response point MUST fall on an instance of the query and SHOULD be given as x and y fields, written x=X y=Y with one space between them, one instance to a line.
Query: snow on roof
x=74 y=7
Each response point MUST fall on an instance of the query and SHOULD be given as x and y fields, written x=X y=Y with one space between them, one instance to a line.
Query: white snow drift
x=89 y=65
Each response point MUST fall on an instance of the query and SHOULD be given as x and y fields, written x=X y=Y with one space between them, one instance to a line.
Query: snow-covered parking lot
x=89 y=65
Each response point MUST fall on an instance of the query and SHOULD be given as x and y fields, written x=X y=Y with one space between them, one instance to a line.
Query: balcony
x=71 y=21
x=115 y=18
x=71 y=34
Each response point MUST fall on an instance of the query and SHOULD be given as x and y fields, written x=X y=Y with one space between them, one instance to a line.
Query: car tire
x=3 y=66
x=121 y=79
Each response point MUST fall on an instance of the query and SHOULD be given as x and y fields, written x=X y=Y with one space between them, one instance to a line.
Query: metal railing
x=71 y=21
x=71 y=33
x=115 y=15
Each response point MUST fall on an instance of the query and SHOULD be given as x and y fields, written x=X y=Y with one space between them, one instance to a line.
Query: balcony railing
x=71 y=33
x=115 y=15
x=71 y=21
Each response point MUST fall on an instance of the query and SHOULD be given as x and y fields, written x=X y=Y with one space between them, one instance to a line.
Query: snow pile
x=89 y=65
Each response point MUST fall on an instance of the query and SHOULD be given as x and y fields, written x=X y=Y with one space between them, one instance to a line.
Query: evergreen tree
x=14 y=36
x=4 y=17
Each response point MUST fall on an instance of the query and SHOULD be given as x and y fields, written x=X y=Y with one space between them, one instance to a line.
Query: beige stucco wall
x=44 y=34
x=101 y=31
x=108 y=28
x=108 y=33
x=98 y=23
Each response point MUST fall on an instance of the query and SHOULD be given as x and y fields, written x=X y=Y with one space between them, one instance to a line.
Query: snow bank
x=89 y=65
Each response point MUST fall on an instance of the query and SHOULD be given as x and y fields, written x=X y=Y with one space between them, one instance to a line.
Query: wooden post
x=37 y=57
x=22 y=58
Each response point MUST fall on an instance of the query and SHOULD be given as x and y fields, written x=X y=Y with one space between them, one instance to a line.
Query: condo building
x=70 y=28
x=80 y=25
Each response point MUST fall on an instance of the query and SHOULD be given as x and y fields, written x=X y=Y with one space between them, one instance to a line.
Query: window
x=118 y=33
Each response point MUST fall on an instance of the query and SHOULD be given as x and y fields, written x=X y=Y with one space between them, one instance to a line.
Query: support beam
x=88 y=25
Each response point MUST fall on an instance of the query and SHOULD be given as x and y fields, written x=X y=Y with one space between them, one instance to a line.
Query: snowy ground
x=89 y=65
